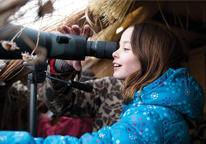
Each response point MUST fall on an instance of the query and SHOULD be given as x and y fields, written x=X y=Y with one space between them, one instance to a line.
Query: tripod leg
x=32 y=109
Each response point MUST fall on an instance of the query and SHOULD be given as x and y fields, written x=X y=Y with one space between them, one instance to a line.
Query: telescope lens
x=101 y=49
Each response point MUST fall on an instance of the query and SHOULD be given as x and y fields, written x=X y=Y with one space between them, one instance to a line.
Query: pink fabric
x=65 y=126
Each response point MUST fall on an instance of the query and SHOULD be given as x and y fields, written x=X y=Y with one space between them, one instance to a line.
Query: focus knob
x=62 y=39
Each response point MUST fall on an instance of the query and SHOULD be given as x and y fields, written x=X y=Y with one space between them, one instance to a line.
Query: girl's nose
x=115 y=54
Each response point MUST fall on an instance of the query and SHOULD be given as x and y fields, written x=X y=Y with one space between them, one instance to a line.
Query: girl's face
x=125 y=62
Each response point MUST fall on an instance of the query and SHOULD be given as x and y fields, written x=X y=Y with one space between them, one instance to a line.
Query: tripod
x=36 y=76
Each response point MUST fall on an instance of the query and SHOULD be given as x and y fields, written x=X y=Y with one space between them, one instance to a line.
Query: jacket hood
x=177 y=90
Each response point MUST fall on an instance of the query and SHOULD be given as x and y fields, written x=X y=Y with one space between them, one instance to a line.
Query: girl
x=158 y=95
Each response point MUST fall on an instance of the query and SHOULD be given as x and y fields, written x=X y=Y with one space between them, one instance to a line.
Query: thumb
x=77 y=65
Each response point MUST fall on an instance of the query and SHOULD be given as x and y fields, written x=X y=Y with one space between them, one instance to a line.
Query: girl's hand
x=76 y=31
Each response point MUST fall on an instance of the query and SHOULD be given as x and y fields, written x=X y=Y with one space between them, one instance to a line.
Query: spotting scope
x=59 y=46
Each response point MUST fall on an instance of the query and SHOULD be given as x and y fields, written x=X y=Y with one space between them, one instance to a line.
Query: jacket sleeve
x=133 y=128
x=66 y=101
x=103 y=136
x=119 y=133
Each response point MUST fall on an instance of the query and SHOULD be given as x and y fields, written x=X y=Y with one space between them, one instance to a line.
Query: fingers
x=66 y=29
x=76 y=30
x=77 y=65
x=86 y=31
x=70 y=62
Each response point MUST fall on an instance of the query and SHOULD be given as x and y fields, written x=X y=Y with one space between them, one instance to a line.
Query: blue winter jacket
x=159 y=117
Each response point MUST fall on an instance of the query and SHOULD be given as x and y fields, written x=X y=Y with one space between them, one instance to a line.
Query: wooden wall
x=197 y=66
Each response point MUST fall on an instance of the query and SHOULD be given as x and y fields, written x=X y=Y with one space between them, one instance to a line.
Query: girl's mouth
x=116 y=65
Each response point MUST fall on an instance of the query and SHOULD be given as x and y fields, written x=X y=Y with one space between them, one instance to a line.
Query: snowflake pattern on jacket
x=159 y=117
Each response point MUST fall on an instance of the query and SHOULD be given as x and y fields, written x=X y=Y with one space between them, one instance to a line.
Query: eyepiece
x=101 y=49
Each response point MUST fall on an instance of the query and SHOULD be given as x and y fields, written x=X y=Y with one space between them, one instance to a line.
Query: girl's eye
x=126 y=49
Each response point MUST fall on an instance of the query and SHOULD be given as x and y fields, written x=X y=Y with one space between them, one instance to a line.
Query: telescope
x=59 y=46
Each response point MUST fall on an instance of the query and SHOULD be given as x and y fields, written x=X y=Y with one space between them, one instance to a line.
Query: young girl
x=158 y=95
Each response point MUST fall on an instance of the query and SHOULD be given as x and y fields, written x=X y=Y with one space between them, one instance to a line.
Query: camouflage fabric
x=103 y=104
